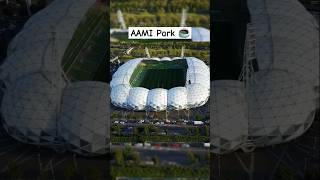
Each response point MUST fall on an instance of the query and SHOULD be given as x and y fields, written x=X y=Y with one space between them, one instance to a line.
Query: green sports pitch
x=84 y=58
x=152 y=74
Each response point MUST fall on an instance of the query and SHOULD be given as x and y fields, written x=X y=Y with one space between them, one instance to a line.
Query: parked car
x=138 y=145
x=185 y=145
x=207 y=145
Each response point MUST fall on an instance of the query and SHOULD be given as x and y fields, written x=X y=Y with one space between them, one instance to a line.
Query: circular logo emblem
x=184 y=33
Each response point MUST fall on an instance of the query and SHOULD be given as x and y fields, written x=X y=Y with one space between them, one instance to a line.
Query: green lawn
x=159 y=74
x=86 y=51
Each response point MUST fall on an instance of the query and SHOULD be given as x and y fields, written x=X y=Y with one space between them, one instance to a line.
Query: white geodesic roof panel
x=165 y=59
x=176 y=58
x=196 y=66
x=192 y=61
x=197 y=95
x=280 y=105
x=29 y=108
x=155 y=58
x=229 y=125
x=119 y=95
x=157 y=99
x=196 y=78
x=202 y=70
x=124 y=80
x=137 y=98
x=200 y=34
x=84 y=117
x=177 y=98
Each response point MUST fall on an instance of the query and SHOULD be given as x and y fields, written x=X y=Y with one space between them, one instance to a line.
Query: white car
x=207 y=145
x=185 y=145
x=141 y=121
x=138 y=145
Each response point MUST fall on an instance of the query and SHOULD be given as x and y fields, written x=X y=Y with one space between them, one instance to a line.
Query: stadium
x=53 y=93
x=158 y=84
x=270 y=93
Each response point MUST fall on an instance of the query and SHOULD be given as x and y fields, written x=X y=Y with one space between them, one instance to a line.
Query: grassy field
x=160 y=12
x=161 y=49
x=163 y=74
x=86 y=51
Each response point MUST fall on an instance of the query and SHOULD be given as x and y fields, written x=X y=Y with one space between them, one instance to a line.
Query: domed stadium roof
x=200 y=34
x=39 y=106
x=29 y=108
x=83 y=119
x=278 y=101
x=177 y=98
x=137 y=98
x=157 y=99
x=194 y=93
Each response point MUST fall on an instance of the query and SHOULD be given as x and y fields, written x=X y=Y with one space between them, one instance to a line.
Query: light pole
x=28 y=4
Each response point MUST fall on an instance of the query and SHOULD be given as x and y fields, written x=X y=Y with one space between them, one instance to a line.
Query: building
x=40 y=105
x=161 y=84
x=270 y=93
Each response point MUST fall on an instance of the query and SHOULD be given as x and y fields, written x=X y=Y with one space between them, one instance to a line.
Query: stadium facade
x=277 y=93
x=39 y=105
x=194 y=92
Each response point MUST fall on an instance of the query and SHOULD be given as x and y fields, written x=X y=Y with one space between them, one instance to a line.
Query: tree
x=70 y=172
x=155 y=160
x=198 y=117
x=114 y=115
x=127 y=151
x=119 y=157
x=146 y=130
x=197 y=131
x=44 y=175
x=284 y=173
x=207 y=130
x=135 y=156
x=117 y=128
x=192 y=157
x=135 y=131
x=94 y=174
x=189 y=131
x=152 y=128
x=14 y=172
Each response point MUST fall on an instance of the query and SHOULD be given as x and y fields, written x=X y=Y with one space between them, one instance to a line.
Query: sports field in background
x=86 y=52
x=160 y=74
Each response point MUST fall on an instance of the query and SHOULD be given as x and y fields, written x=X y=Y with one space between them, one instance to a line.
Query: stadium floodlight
x=182 y=51
x=146 y=50
x=121 y=19
x=128 y=51
x=184 y=16
x=28 y=5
